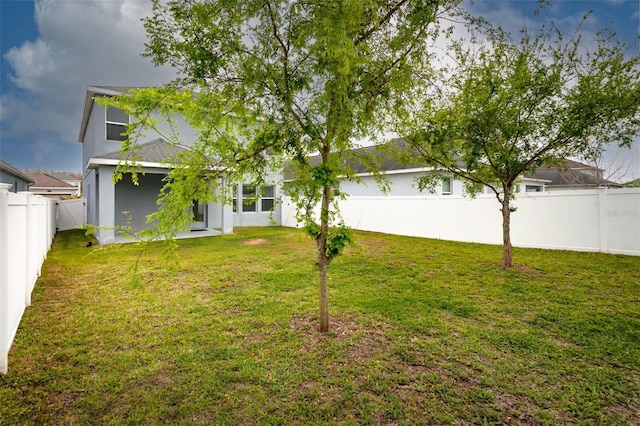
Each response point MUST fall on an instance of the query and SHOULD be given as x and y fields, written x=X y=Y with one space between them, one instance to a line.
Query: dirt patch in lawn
x=362 y=343
x=255 y=241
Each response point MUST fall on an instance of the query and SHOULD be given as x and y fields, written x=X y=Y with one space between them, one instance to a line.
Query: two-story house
x=111 y=205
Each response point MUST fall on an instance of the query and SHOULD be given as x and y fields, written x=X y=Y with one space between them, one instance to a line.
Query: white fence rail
x=27 y=227
x=605 y=220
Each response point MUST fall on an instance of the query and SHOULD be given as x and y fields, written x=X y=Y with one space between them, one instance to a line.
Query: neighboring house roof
x=10 y=170
x=570 y=173
x=91 y=93
x=357 y=159
x=157 y=153
x=573 y=173
x=65 y=176
x=46 y=181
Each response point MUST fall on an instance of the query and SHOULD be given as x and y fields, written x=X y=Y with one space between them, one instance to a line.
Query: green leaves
x=262 y=80
x=512 y=106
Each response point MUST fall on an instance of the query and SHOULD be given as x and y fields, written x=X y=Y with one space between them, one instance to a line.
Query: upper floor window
x=116 y=122
x=446 y=186
x=533 y=188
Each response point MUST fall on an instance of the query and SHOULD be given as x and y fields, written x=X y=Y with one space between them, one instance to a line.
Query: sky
x=51 y=50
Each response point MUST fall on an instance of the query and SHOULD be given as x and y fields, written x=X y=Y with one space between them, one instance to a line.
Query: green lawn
x=423 y=332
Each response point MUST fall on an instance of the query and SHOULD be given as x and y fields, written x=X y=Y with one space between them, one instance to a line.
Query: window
x=116 y=122
x=248 y=191
x=446 y=186
x=267 y=202
x=533 y=188
x=235 y=201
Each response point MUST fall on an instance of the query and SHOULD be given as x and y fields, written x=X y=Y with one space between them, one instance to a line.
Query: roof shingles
x=156 y=151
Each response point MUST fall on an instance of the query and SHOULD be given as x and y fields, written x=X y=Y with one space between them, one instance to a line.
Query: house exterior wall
x=105 y=205
x=106 y=201
x=52 y=193
x=90 y=190
x=403 y=184
x=17 y=183
x=400 y=184
x=95 y=143
x=258 y=218
x=137 y=200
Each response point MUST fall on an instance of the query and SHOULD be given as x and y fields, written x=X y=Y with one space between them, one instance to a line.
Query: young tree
x=512 y=106
x=301 y=77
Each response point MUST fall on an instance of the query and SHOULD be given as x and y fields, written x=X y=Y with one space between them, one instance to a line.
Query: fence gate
x=71 y=214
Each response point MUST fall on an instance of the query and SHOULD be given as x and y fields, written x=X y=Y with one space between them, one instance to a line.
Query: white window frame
x=108 y=122
x=264 y=198
x=450 y=180
x=239 y=205
x=235 y=201
x=254 y=203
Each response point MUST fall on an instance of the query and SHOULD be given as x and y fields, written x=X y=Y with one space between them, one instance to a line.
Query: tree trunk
x=507 y=253
x=324 y=260
x=323 y=266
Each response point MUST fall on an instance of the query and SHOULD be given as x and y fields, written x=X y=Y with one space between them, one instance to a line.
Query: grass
x=423 y=332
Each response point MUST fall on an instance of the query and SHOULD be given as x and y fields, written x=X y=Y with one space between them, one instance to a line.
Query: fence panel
x=71 y=214
x=605 y=220
x=27 y=227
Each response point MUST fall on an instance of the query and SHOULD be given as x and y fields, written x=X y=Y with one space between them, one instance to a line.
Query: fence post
x=604 y=220
x=28 y=250
x=4 y=277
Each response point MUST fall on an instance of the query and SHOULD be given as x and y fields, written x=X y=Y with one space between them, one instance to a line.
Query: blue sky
x=51 y=50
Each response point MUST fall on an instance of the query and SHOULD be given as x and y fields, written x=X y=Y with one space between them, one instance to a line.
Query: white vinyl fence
x=71 y=214
x=27 y=227
x=603 y=220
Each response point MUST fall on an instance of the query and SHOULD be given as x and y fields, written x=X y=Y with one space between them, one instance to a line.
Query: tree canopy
x=264 y=80
x=509 y=106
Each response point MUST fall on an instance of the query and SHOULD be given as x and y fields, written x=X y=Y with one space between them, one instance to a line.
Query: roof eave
x=94 y=163
x=91 y=92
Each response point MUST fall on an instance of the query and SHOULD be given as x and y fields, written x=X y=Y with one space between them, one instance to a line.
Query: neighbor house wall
x=399 y=184
x=17 y=183
x=402 y=183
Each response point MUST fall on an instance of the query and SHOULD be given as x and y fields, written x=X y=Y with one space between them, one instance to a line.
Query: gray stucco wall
x=89 y=194
x=258 y=218
x=96 y=144
x=18 y=184
x=401 y=184
x=139 y=201
x=105 y=196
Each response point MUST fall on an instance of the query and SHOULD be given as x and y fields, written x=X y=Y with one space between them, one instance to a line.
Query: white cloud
x=81 y=43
